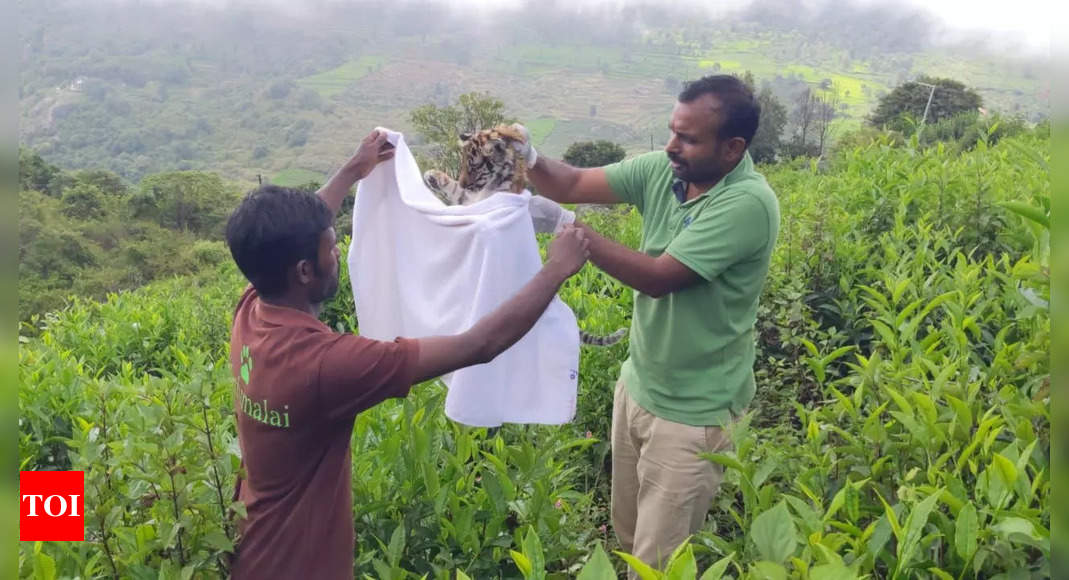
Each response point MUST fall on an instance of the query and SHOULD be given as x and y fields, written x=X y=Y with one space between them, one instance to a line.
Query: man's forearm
x=337 y=187
x=634 y=269
x=512 y=320
x=553 y=179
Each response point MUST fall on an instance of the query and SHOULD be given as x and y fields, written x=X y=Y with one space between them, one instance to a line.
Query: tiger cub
x=489 y=163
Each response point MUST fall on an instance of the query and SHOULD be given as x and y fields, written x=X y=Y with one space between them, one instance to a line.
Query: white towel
x=421 y=268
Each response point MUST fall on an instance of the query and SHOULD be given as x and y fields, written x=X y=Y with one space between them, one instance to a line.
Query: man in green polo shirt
x=709 y=223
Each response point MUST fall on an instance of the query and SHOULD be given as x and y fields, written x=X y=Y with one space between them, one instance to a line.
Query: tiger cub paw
x=440 y=184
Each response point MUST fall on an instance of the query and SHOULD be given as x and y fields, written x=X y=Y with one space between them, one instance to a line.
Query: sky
x=1026 y=23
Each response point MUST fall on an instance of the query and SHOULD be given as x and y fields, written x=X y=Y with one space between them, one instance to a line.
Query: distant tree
x=442 y=126
x=768 y=139
x=83 y=202
x=297 y=135
x=907 y=101
x=593 y=153
x=827 y=105
x=185 y=200
x=280 y=89
x=39 y=175
x=804 y=117
x=108 y=182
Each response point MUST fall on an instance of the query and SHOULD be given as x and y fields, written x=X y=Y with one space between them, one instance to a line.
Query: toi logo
x=51 y=506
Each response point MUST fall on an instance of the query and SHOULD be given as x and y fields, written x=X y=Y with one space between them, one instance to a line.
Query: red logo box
x=51 y=506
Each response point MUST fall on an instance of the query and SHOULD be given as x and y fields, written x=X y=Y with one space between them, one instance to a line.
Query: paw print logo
x=246 y=364
x=572 y=375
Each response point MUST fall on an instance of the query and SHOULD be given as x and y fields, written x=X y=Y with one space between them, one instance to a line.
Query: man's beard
x=328 y=290
x=690 y=174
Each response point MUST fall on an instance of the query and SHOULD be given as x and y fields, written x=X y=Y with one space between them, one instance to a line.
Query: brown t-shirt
x=299 y=388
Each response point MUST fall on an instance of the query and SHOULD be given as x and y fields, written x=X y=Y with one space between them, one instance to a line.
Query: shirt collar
x=743 y=168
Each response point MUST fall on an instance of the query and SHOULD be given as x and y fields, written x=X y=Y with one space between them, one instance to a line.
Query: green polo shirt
x=692 y=352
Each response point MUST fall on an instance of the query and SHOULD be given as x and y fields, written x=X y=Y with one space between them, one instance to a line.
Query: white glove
x=549 y=216
x=526 y=148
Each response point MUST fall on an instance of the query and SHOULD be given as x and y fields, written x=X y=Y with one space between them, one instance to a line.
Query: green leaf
x=640 y=567
x=462 y=576
x=397 y=545
x=1006 y=470
x=217 y=540
x=682 y=566
x=774 y=534
x=382 y=569
x=915 y=522
x=716 y=571
x=1009 y=526
x=765 y=570
x=598 y=567
x=1028 y=212
x=836 y=503
x=522 y=562
x=725 y=460
x=891 y=518
x=532 y=548
x=941 y=574
x=44 y=567
x=966 y=529
x=834 y=571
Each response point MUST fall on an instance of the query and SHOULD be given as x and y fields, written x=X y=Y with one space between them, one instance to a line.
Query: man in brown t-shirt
x=300 y=385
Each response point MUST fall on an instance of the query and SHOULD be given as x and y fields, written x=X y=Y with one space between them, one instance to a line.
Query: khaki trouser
x=661 y=488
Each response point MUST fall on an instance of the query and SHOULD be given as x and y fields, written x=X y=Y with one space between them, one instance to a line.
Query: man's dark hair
x=271 y=230
x=739 y=109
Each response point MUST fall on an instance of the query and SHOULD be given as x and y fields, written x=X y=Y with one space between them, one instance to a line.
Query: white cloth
x=421 y=268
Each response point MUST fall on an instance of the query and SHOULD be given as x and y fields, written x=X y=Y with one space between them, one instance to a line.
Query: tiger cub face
x=489 y=163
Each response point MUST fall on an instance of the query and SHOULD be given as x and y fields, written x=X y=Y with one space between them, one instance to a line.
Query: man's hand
x=568 y=251
x=373 y=150
x=549 y=216
x=526 y=149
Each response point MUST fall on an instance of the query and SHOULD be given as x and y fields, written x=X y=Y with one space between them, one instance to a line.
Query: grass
x=540 y=129
x=295 y=177
x=334 y=81
x=724 y=64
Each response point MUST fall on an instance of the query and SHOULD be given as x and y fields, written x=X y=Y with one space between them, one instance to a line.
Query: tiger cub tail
x=596 y=340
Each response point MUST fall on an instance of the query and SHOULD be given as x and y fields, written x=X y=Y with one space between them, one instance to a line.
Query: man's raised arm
x=373 y=150
x=562 y=182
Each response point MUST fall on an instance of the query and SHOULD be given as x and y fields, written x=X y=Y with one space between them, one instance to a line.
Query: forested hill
x=143 y=87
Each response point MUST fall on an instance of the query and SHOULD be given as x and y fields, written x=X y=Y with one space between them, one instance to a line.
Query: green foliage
x=766 y=142
x=185 y=200
x=83 y=202
x=96 y=238
x=38 y=175
x=442 y=126
x=908 y=100
x=901 y=426
x=593 y=153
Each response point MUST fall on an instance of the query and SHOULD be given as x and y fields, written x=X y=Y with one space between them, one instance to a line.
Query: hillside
x=143 y=88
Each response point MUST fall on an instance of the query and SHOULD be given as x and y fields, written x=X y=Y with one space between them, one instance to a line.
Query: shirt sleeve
x=629 y=178
x=722 y=236
x=357 y=373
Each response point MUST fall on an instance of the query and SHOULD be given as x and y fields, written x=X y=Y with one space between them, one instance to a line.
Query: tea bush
x=901 y=427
